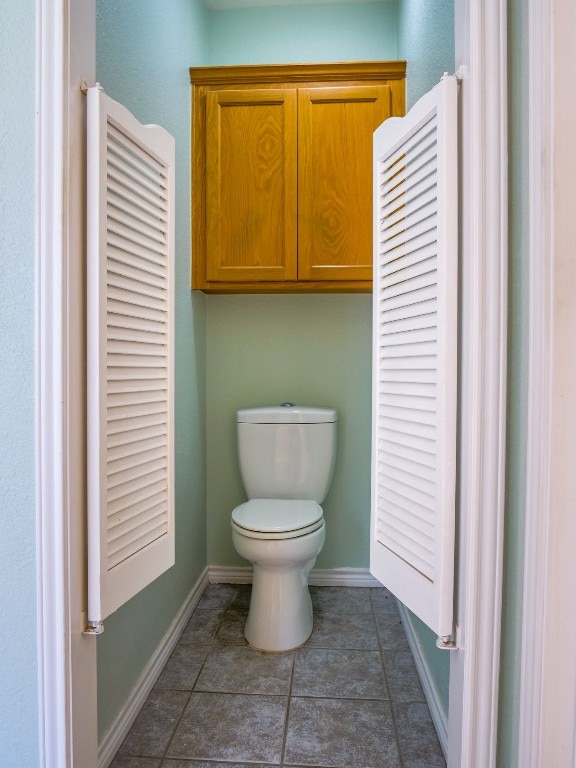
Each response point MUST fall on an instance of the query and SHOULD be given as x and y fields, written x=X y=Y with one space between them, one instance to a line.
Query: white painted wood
x=540 y=349
x=116 y=734
x=342 y=577
x=222 y=574
x=318 y=577
x=53 y=646
x=548 y=664
x=130 y=354
x=415 y=356
x=67 y=661
x=438 y=714
x=481 y=60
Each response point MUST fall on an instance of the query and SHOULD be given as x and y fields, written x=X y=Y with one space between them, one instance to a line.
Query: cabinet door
x=335 y=127
x=251 y=179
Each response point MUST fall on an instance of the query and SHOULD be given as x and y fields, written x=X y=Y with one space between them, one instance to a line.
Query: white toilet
x=287 y=456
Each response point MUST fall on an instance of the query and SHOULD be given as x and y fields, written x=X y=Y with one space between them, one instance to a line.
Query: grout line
x=392 y=714
x=288 y=707
x=210 y=648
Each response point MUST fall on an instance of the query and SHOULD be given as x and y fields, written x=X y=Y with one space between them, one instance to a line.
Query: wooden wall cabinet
x=282 y=174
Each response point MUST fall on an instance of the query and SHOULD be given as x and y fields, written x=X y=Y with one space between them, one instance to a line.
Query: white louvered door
x=130 y=354
x=414 y=356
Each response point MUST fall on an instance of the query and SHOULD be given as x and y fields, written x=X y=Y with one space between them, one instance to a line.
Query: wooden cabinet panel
x=251 y=185
x=335 y=127
x=281 y=176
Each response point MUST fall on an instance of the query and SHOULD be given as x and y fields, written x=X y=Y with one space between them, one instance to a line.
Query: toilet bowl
x=280 y=614
x=287 y=461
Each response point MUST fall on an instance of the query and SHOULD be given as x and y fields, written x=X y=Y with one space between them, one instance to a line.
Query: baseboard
x=439 y=716
x=223 y=574
x=342 y=577
x=116 y=734
x=319 y=577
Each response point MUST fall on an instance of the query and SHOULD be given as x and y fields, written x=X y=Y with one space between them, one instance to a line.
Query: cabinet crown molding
x=279 y=73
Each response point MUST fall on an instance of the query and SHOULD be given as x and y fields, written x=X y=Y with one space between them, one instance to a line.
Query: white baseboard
x=319 y=577
x=439 y=716
x=342 y=577
x=223 y=574
x=117 y=733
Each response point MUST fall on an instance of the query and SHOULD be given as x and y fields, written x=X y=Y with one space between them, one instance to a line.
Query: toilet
x=286 y=456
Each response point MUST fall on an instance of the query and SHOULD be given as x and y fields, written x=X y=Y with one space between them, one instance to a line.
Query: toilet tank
x=287 y=451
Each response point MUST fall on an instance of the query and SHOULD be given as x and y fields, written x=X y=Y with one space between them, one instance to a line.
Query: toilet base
x=280 y=615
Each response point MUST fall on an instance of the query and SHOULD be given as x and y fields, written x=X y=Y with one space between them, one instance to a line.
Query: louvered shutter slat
x=135 y=462
x=119 y=266
x=125 y=425
x=130 y=303
x=134 y=541
x=138 y=289
x=122 y=228
x=137 y=481
x=392 y=240
x=130 y=377
x=142 y=399
x=139 y=260
x=414 y=387
x=123 y=508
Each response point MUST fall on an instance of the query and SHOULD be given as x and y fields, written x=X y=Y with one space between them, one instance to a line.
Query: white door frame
x=481 y=58
x=67 y=674
x=548 y=663
x=53 y=650
x=66 y=658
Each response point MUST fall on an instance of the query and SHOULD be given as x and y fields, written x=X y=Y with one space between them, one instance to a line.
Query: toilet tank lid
x=286 y=414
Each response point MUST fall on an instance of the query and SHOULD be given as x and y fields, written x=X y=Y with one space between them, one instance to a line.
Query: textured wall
x=311 y=349
x=144 y=49
x=303 y=33
x=18 y=653
x=426 y=41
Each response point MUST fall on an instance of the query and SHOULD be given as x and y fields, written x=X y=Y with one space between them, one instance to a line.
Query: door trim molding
x=481 y=50
x=540 y=320
x=67 y=719
x=547 y=708
x=52 y=550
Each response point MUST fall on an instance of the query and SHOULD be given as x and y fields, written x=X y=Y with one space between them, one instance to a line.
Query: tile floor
x=349 y=698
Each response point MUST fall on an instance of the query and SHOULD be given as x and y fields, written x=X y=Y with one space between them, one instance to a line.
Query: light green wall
x=18 y=653
x=314 y=350
x=426 y=41
x=311 y=350
x=303 y=33
x=438 y=661
x=144 y=49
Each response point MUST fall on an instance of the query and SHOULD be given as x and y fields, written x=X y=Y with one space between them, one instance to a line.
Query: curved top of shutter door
x=130 y=353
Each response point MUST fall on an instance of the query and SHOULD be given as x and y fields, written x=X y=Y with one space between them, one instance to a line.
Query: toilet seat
x=277 y=518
